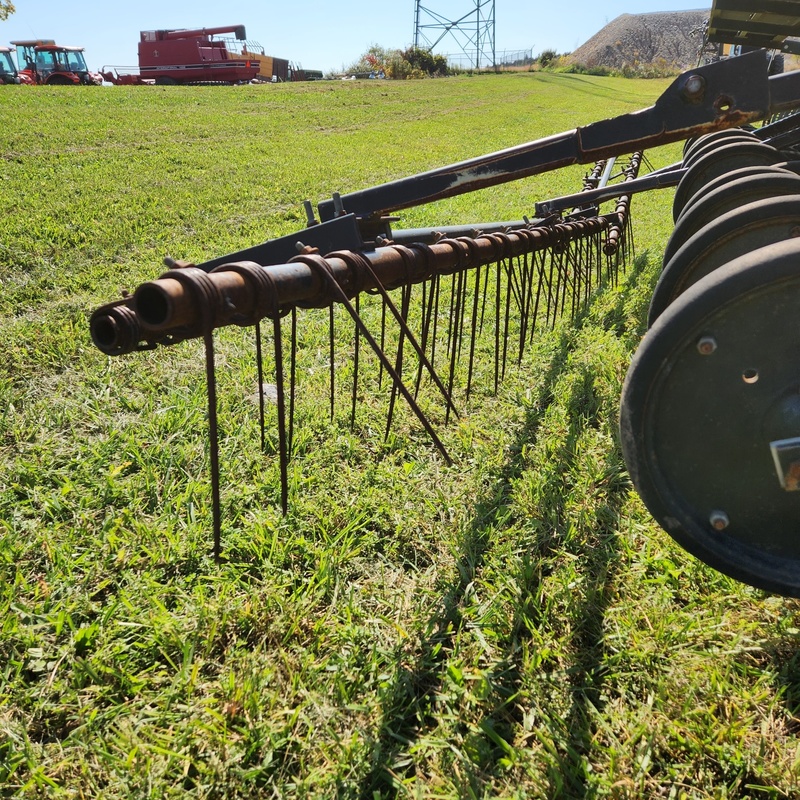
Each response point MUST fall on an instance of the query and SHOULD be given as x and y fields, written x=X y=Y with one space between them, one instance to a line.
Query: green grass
x=513 y=625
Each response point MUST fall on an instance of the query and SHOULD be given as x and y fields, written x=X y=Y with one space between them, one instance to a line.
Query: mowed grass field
x=512 y=625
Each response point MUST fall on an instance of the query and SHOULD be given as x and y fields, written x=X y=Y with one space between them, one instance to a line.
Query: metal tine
x=507 y=316
x=356 y=350
x=332 y=350
x=382 y=342
x=292 y=378
x=426 y=306
x=526 y=290
x=406 y=333
x=564 y=279
x=282 y=441
x=485 y=295
x=320 y=265
x=398 y=364
x=455 y=334
x=213 y=441
x=473 y=329
x=260 y=375
x=451 y=322
x=539 y=266
x=497 y=306
x=435 y=332
x=552 y=288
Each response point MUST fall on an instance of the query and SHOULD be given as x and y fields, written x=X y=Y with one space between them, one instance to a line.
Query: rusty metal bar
x=171 y=308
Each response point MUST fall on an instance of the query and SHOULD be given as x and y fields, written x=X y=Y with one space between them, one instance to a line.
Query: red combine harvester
x=170 y=57
x=44 y=62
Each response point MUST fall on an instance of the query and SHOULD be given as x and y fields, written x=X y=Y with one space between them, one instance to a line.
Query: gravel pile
x=664 y=39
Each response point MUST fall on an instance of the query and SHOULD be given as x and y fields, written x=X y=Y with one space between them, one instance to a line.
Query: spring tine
x=485 y=295
x=573 y=259
x=382 y=342
x=401 y=317
x=497 y=326
x=398 y=364
x=537 y=266
x=453 y=336
x=356 y=349
x=563 y=279
x=282 y=445
x=437 y=285
x=213 y=442
x=321 y=266
x=451 y=320
x=260 y=371
x=507 y=317
x=292 y=378
x=473 y=329
x=525 y=291
x=332 y=351
x=425 y=321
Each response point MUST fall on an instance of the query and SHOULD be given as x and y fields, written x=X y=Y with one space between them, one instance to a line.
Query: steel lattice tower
x=473 y=31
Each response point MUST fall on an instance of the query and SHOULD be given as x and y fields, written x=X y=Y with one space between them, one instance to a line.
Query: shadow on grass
x=408 y=705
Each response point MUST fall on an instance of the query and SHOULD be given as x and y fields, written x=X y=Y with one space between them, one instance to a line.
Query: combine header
x=710 y=416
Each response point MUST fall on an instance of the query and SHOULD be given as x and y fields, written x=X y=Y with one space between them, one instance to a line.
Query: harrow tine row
x=450 y=295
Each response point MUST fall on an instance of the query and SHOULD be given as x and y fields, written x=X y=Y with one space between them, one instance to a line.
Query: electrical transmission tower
x=472 y=31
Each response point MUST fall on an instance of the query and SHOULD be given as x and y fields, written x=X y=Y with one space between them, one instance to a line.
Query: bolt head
x=719 y=520
x=694 y=88
x=706 y=345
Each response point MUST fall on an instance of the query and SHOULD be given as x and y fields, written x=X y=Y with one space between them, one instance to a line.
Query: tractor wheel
x=59 y=80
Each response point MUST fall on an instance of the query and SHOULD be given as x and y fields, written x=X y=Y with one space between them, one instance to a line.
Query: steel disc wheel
x=710 y=419
x=729 y=177
x=732 y=235
x=693 y=144
x=719 y=161
x=734 y=194
x=714 y=141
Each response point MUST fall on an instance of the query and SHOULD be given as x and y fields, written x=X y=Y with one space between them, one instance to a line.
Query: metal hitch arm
x=720 y=95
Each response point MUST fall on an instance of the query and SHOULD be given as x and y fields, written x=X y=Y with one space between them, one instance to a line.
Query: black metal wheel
x=710 y=419
x=708 y=206
x=713 y=141
x=735 y=175
x=723 y=159
x=695 y=141
x=723 y=240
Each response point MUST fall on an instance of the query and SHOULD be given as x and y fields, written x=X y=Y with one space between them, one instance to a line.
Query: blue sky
x=316 y=35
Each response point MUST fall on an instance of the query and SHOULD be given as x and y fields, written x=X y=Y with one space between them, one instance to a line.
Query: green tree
x=6 y=9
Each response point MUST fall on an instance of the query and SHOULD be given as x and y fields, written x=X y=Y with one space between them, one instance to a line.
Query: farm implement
x=188 y=57
x=710 y=411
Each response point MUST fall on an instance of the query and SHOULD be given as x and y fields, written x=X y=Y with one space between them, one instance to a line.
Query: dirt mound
x=631 y=41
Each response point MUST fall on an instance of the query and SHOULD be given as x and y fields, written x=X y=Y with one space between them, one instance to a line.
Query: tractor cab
x=8 y=69
x=52 y=64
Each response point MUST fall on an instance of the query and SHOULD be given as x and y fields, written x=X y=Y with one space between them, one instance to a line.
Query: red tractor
x=44 y=62
x=8 y=70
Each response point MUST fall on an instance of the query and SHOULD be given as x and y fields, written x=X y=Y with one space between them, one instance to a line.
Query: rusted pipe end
x=154 y=303
x=115 y=329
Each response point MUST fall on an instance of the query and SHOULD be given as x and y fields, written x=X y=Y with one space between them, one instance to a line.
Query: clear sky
x=311 y=33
